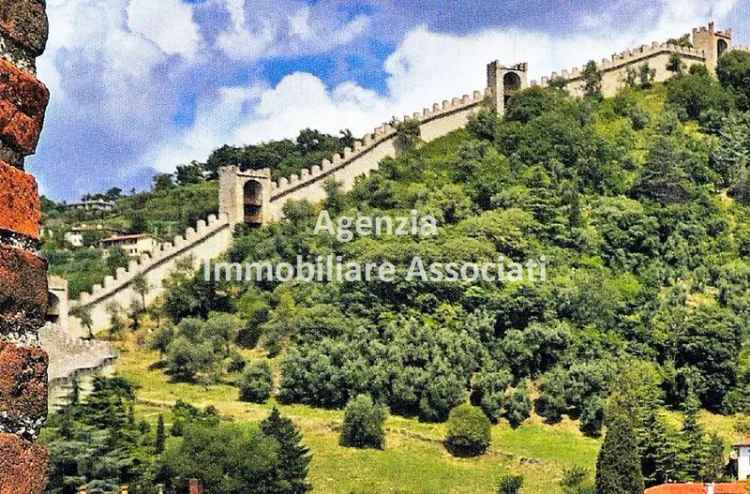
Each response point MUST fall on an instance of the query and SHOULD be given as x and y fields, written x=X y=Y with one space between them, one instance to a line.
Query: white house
x=133 y=245
x=742 y=451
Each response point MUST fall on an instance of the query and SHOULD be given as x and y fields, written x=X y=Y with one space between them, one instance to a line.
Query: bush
x=510 y=484
x=236 y=363
x=364 y=424
x=468 y=431
x=256 y=382
x=519 y=407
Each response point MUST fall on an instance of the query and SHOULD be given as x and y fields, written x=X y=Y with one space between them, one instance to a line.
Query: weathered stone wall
x=614 y=70
x=203 y=243
x=442 y=119
x=23 y=274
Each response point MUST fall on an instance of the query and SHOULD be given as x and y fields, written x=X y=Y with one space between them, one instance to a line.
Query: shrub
x=519 y=407
x=510 y=484
x=364 y=424
x=468 y=431
x=256 y=382
x=236 y=363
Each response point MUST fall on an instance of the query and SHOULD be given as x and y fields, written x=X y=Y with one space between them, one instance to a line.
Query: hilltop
x=640 y=205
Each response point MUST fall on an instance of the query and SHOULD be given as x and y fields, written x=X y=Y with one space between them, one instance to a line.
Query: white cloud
x=283 y=28
x=425 y=68
x=168 y=23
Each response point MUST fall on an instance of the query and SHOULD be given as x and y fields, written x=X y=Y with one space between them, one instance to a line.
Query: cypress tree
x=693 y=439
x=618 y=467
x=160 y=435
x=294 y=457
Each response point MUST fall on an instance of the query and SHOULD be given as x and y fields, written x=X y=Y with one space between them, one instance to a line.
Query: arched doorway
x=722 y=47
x=253 y=201
x=511 y=84
x=53 y=308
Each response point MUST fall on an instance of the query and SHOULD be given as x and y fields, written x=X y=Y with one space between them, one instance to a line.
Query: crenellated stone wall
x=205 y=242
x=706 y=50
x=23 y=273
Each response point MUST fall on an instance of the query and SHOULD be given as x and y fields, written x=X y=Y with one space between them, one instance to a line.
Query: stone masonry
x=23 y=273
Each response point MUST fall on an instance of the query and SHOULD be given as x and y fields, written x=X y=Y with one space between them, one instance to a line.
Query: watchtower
x=244 y=196
x=712 y=43
x=503 y=82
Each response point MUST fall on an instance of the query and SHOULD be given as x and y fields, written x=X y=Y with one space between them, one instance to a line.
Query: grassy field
x=414 y=460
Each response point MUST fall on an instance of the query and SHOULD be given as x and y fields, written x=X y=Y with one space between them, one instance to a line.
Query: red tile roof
x=744 y=442
x=691 y=488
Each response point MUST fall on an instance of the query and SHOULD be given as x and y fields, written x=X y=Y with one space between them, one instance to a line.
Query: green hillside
x=639 y=207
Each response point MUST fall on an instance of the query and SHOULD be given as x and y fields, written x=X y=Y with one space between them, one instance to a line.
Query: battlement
x=163 y=252
x=624 y=59
x=382 y=133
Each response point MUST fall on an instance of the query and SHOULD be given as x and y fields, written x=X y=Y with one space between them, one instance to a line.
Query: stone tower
x=23 y=273
x=245 y=196
x=504 y=81
x=712 y=43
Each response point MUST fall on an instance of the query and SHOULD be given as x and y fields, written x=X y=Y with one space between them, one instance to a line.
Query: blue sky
x=141 y=86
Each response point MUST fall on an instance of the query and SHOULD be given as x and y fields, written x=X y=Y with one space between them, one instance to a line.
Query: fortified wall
x=23 y=274
x=708 y=45
x=252 y=197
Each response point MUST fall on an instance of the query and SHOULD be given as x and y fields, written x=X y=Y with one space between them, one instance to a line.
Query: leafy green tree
x=592 y=80
x=490 y=392
x=468 y=431
x=618 y=467
x=163 y=182
x=186 y=359
x=142 y=287
x=227 y=459
x=256 y=382
x=675 y=65
x=408 y=134
x=519 y=406
x=733 y=71
x=364 y=423
x=294 y=457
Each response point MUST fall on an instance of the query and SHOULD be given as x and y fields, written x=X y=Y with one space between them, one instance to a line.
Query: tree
x=138 y=222
x=713 y=467
x=675 y=64
x=334 y=197
x=256 y=382
x=189 y=174
x=84 y=315
x=733 y=71
x=693 y=439
x=160 y=435
x=592 y=80
x=510 y=484
x=364 y=423
x=116 y=325
x=519 y=406
x=185 y=359
x=408 y=133
x=294 y=457
x=618 y=467
x=468 y=431
x=347 y=138
x=646 y=75
x=163 y=182
x=227 y=459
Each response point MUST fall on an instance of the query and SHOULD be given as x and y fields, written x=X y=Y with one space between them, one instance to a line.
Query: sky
x=141 y=86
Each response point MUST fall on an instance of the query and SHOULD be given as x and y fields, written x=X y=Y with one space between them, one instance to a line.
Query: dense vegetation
x=638 y=204
x=98 y=443
x=176 y=202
